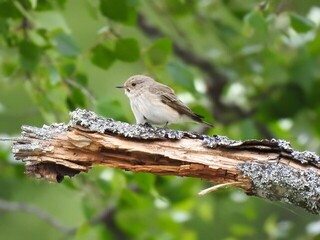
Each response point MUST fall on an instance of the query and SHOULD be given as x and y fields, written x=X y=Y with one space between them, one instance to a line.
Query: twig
x=217 y=187
x=8 y=139
x=28 y=208
x=83 y=89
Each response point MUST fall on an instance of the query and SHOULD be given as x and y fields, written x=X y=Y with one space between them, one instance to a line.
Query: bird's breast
x=153 y=109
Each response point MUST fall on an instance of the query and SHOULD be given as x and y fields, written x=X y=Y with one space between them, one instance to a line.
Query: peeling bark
x=266 y=168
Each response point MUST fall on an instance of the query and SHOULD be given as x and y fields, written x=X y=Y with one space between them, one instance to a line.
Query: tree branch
x=266 y=168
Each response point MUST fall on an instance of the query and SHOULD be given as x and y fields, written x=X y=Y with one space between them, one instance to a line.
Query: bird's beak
x=120 y=86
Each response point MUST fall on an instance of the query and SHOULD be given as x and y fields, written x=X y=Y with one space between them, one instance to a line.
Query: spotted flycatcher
x=155 y=103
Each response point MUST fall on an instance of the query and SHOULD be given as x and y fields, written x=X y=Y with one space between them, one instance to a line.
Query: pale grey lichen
x=46 y=132
x=284 y=183
x=217 y=140
x=282 y=144
x=306 y=157
x=92 y=122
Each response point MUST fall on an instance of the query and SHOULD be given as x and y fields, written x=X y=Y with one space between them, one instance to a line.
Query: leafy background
x=250 y=67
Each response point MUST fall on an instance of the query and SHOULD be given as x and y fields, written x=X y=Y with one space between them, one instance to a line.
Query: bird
x=154 y=103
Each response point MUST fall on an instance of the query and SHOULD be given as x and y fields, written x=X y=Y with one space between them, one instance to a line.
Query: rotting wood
x=267 y=168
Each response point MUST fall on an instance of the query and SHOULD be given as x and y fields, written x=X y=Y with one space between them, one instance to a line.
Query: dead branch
x=266 y=168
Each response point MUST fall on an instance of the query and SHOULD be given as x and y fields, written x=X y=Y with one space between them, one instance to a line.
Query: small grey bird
x=155 y=103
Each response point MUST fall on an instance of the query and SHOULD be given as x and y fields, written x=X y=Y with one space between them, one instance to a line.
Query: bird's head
x=136 y=84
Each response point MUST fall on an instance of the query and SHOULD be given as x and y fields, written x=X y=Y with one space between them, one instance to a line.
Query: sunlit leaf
x=242 y=230
x=89 y=231
x=314 y=46
x=301 y=24
x=33 y=3
x=255 y=24
x=83 y=230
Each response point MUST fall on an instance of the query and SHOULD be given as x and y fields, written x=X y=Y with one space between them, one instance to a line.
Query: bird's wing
x=168 y=97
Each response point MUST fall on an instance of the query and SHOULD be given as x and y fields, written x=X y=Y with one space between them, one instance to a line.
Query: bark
x=266 y=168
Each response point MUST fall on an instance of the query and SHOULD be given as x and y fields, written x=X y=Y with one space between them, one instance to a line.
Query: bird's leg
x=146 y=123
x=166 y=125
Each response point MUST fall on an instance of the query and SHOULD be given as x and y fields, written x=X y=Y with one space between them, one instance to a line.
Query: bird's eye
x=133 y=84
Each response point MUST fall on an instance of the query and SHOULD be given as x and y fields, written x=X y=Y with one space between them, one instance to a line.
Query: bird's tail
x=198 y=118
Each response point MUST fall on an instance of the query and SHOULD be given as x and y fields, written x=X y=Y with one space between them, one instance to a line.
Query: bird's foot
x=146 y=124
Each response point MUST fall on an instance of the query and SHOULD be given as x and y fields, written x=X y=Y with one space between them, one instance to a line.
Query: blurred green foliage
x=251 y=68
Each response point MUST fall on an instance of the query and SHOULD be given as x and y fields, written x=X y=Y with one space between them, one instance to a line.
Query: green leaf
x=67 y=67
x=127 y=49
x=302 y=71
x=8 y=10
x=53 y=75
x=110 y=108
x=102 y=57
x=76 y=99
x=181 y=7
x=8 y=68
x=29 y=55
x=255 y=24
x=120 y=10
x=145 y=181
x=159 y=52
x=82 y=79
x=4 y=28
x=4 y=154
x=283 y=102
x=47 y=5
x=301 y=24
x=87 y=231
x=90 y=203
x=181 y=75
x=83 y=230
x=43 y=6
x=66 y=44
x=242 y=230
x=314 y=46
x=33 y=3
x=247 y=129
